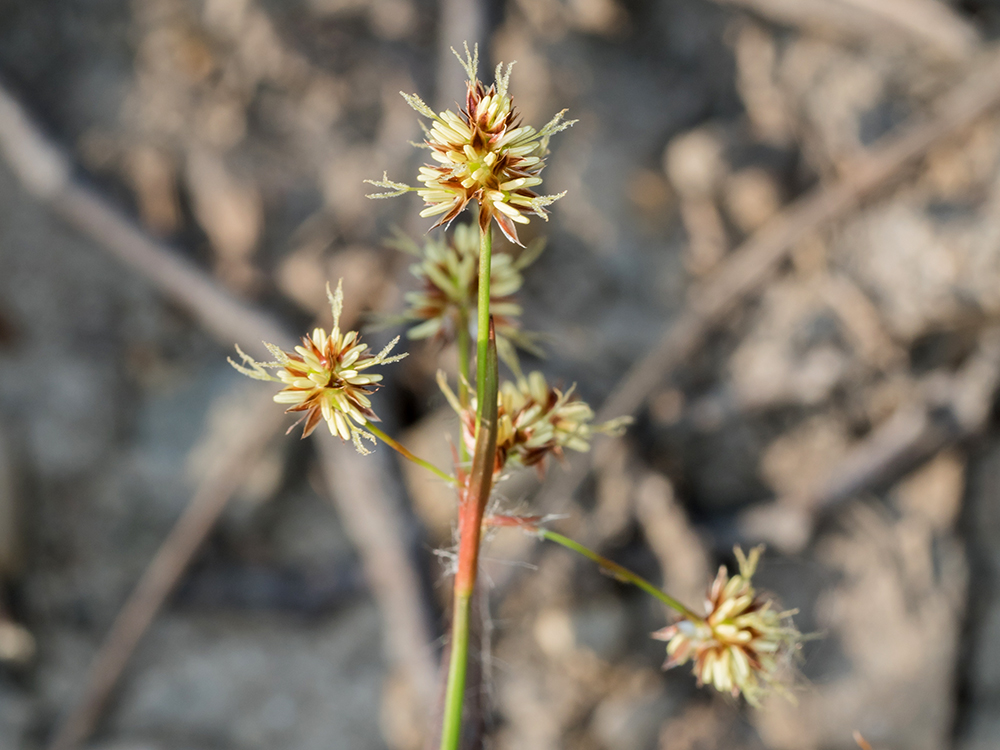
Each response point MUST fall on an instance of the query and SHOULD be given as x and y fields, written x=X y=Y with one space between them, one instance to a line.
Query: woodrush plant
x=483 y=154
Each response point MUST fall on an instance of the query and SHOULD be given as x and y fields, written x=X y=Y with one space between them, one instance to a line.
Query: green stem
x=619 y=572
x=463 y=373
x=483 y=320
x=405 y=453
x=471 y=510
x=451 y=730
x=473 y=502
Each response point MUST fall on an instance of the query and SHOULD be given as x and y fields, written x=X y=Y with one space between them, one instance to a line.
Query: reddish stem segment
x=470 y=520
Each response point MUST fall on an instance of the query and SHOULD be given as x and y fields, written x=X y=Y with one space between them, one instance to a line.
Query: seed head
x=534 y=421
x=483 y=153
x=742 y=641
x=325 y=377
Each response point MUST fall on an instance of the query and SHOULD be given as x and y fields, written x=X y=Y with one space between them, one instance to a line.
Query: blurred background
x=780 y=250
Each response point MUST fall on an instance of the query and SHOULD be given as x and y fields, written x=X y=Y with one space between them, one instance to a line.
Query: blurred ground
x=240 y=132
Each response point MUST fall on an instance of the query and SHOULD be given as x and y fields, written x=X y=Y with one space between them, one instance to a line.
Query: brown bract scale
x=482 y=153
x=535 y=420
x=325 y=378
x=741 y=644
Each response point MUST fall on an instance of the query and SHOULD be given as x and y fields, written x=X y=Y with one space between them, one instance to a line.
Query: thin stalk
x=620 y=572
x=483 y=320
x=463 y=372
x=470 y=523
x=451 y=730
x=405 y=453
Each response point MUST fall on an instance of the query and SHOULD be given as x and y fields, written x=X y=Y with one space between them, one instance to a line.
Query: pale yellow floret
x=736 y=649
x=331 y=387
x=528 y=423
x=450 y=137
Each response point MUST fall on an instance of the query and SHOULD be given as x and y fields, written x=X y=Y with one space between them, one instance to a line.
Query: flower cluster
x=482 y=153
x=740 y=644
x=535 y=420
x=325 y=377
x=449 y=272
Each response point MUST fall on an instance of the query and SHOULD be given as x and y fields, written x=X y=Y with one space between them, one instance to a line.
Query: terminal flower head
x=741 y=644
x=535 y=420
x=326 y=378
x=482 y=153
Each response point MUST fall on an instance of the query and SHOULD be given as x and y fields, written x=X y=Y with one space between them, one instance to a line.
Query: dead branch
x=930 y=26
x=952 y=408
x=684 y=564
x=748 y=267
x=352 y=480
x=47 y=173
x=751 y=264
x=165 y=570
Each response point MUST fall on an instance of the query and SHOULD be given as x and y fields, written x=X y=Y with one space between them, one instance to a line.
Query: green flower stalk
x=484 y=153
x=738 y=647
x=471 y=511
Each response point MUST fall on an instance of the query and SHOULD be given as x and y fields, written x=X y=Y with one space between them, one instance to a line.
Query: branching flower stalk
x=738 y=646
x=484 y=154
x=408 y=455
x=618 y=571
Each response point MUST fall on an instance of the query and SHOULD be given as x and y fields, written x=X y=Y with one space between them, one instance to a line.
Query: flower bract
x=326 y=377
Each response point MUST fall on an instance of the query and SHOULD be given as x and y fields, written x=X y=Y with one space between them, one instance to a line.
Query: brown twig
x=750 y=265
x=747 y=268
x=951 y=408
x=930 y=26
x=164 y=571
x=375 y=527
x=46 y=173
x=11 y=527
